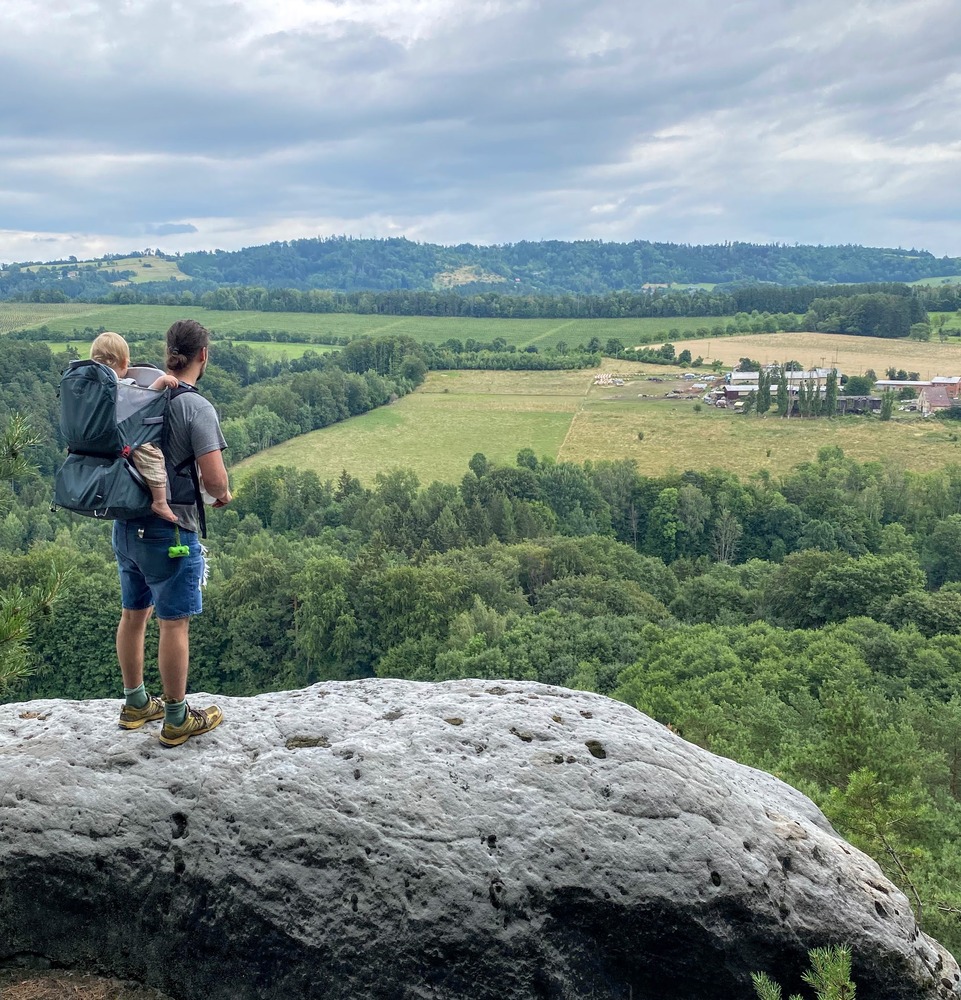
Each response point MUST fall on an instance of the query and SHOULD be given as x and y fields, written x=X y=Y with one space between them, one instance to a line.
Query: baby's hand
x=165 y=382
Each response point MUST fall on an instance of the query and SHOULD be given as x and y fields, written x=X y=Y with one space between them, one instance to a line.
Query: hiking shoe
x=196 y=723
x=134 y=718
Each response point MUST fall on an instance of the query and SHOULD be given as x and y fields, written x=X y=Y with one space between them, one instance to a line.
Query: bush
x=830 y=975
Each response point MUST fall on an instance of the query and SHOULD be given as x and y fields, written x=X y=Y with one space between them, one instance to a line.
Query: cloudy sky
x=198 y=124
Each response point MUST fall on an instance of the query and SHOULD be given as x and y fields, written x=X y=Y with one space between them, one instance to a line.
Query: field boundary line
x=570 y=427
x=577 y=413
x=388 y=326
x=553 y=329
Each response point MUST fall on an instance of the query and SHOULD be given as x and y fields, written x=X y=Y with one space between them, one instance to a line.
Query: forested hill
x=553 y=267
x=343 y=264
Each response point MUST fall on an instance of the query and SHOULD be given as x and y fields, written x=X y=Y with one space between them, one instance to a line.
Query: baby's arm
x=165 y=382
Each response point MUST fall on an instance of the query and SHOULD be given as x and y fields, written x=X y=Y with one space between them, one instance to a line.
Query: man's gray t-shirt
x=192 y=429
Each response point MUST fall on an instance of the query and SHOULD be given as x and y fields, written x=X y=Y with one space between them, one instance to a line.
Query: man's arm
x=213 y=472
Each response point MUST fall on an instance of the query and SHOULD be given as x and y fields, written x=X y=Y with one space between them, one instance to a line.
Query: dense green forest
x=555 y=267
x=810 y=626
x=549 y=268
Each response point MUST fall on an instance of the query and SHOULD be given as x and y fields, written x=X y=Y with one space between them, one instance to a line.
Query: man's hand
x=223 y=501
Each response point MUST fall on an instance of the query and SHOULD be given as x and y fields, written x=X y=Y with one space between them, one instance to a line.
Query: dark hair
x=185 y=340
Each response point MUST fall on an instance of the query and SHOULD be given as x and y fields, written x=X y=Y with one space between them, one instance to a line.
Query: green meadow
x=30 y=315
x=140 y=269
x=564 y=416
x=435 y=436
x=68 y=318
x=951 y=279
x=268 y=349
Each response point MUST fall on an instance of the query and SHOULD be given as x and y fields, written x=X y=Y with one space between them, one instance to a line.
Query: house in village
x=933 y=399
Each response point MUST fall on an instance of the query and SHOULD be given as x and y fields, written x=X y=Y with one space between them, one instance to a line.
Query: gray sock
x=175 y=712
x=136 y=697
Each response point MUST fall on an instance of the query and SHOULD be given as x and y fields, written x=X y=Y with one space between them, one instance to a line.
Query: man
x=162 y=565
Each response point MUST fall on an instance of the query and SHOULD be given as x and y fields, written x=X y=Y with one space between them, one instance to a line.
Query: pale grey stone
x=469 y=840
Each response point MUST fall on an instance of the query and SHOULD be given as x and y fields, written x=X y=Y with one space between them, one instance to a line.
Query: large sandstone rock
x=459 y=841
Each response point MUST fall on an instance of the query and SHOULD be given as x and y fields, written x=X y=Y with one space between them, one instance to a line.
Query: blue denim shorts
x=149 y=576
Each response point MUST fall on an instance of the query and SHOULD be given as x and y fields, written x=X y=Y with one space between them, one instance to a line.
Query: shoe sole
x=180 y=740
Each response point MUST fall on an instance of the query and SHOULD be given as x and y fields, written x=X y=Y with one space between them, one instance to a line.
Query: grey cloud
x=682 y=118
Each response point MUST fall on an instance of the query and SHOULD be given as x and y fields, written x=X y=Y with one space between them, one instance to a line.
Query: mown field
x=563 y=415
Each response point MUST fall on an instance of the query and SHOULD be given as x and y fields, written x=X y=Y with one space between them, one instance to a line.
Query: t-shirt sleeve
x=205 y=433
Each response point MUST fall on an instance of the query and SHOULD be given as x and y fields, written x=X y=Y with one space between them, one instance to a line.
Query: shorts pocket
x=153 y=557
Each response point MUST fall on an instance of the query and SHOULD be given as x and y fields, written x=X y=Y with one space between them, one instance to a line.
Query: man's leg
x=180 y=723
x=131 y=633
x=139 y=708
x=176 y=598
x=173 y=657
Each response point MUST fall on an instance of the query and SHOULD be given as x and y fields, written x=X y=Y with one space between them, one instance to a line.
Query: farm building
x=858 y=404
x=901 y=383
x=950 y=382
x=811 y=375
x=933 y=399
x=740 y=384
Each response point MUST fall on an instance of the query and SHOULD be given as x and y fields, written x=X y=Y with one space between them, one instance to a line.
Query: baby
x=111 y=349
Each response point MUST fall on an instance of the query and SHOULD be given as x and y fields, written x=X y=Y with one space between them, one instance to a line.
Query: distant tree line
x=553 y=266
x=835 y=309
x=582 y=269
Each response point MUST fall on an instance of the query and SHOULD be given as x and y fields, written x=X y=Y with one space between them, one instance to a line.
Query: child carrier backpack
x=103 y=421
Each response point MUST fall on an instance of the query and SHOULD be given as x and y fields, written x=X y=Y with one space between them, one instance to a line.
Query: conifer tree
x=20 y=608
x=783 y=399
x=763 y=403
x=831 y=394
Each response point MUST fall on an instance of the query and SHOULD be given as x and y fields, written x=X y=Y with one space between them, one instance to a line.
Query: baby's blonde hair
x=111 y=349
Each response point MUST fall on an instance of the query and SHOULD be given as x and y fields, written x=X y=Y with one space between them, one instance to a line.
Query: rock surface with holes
x=461 y=841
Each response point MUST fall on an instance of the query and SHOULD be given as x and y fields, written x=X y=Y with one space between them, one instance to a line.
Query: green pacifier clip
x=176 y=550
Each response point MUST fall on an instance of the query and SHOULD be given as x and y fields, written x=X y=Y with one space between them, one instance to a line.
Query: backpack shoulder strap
x=189 y=464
